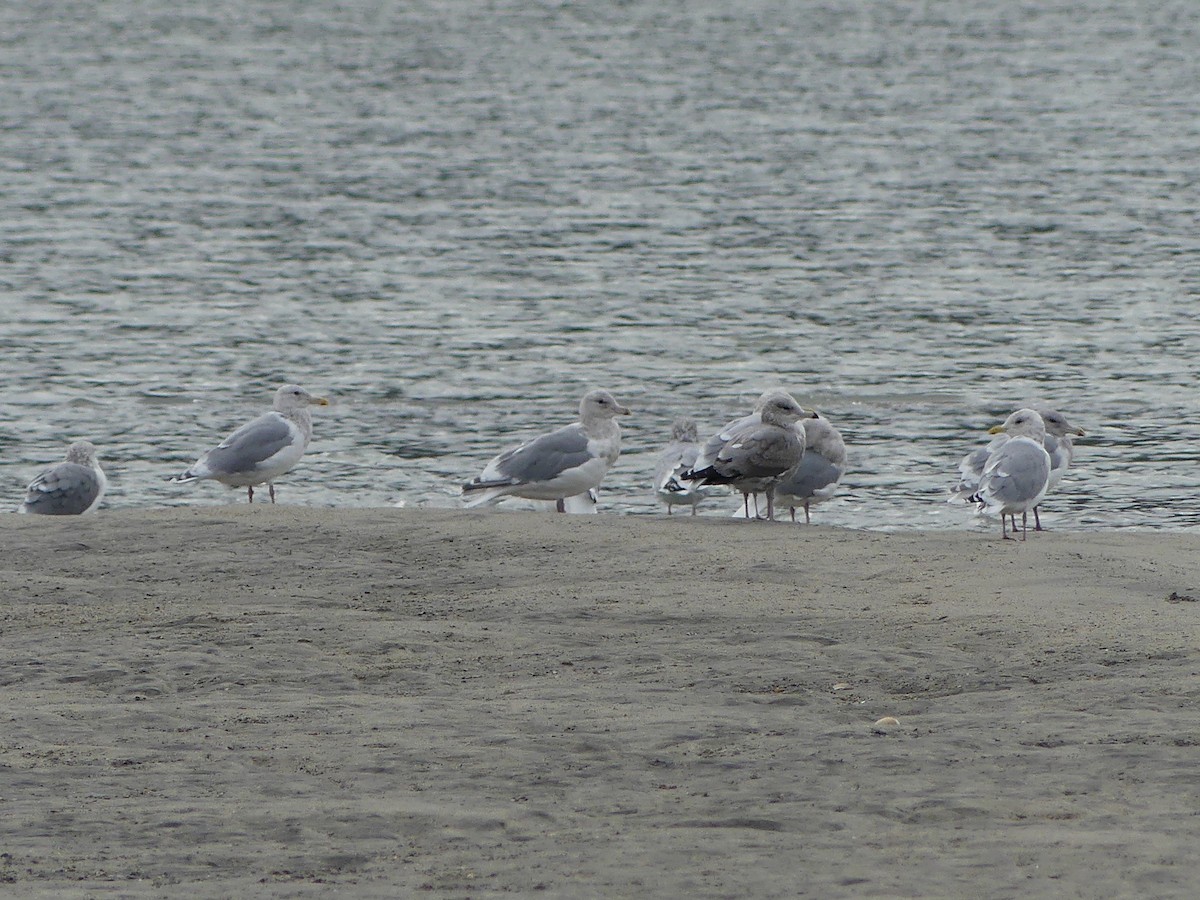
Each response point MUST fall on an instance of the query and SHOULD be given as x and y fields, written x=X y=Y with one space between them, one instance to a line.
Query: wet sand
x=237 y=702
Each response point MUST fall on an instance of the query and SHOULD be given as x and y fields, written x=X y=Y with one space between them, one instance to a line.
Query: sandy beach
x=286 y=702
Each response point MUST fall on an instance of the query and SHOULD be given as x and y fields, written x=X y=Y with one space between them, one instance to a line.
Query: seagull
x=678 y=457
x=558 y=465
x=816 y=478
x=753 y=452
x=263 y=449
x=1017 y=474
x=1058 y=444
x=1061 y=448
x=71 y=488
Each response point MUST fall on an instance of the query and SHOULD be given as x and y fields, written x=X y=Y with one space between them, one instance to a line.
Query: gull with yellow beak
x=263 y=449
x=1058 y=443
x=1017 y=474
x=559 y=465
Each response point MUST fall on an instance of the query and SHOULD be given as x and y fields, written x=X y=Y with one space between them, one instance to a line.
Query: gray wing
x=1061 y=451
x=1017 y=472
x=970 y=470
x=715 y=444
x=678 y=457
x=763 y=452
x=67 y=489
x=542 y=459
x=252 y=444
x=813 y=473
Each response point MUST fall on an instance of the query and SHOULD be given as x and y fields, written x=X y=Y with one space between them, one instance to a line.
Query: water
x=453 y=217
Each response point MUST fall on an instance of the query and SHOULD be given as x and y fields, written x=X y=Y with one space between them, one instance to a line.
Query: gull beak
x=622 y=410
x=1079 y=431
x=996 y=429
x=320 y=401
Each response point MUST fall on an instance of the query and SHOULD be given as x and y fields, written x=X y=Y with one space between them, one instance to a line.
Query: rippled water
x=453 y=217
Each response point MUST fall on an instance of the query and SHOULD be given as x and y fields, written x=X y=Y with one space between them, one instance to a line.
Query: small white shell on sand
x=885 y=723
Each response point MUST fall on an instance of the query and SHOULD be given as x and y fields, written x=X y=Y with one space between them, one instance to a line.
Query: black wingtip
x=477 y=485
x=707 y=475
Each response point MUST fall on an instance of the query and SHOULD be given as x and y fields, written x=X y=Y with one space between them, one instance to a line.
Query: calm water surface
x=453 y=217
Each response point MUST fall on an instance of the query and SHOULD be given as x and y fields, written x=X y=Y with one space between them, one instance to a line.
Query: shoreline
x=274 y=700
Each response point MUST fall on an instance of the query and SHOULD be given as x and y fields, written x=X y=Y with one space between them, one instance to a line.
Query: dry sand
x=241 y=702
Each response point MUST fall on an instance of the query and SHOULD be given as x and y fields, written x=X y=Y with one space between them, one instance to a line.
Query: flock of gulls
x=779 y=452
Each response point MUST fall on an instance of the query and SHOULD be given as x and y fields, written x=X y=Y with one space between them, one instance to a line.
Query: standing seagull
x=1017 y=474
x=1061 y=448
x=73 y=487
x=1057 y=442
x=753 y=452
x=572 y=460
x=263 y=449
x=816 y=478
x=678 y=457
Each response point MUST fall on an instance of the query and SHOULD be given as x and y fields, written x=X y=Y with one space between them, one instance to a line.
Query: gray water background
x=453 y=217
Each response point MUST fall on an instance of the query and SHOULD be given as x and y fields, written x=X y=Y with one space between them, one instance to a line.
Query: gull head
x=600 y=404
x=291 y=396
x=1022 y=423
x=1057 y=424
x=82 y=452
x=684 y=430
x=779 y=408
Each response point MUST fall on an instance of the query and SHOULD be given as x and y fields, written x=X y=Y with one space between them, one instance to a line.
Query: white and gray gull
x=564 y=463
x=676 y=458
x=816 y=477
x=753 y=453
x=72 y=487
x=263 y=449
x=1058 y=443
x=1017 y=473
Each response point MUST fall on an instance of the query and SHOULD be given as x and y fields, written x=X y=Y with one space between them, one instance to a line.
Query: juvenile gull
x=753 y=452
x=816 y=477
x=263 y=449
x=564 y=463
x=1017 y=473
x=676 y=458
x=1058 y=443
x=72 y=487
